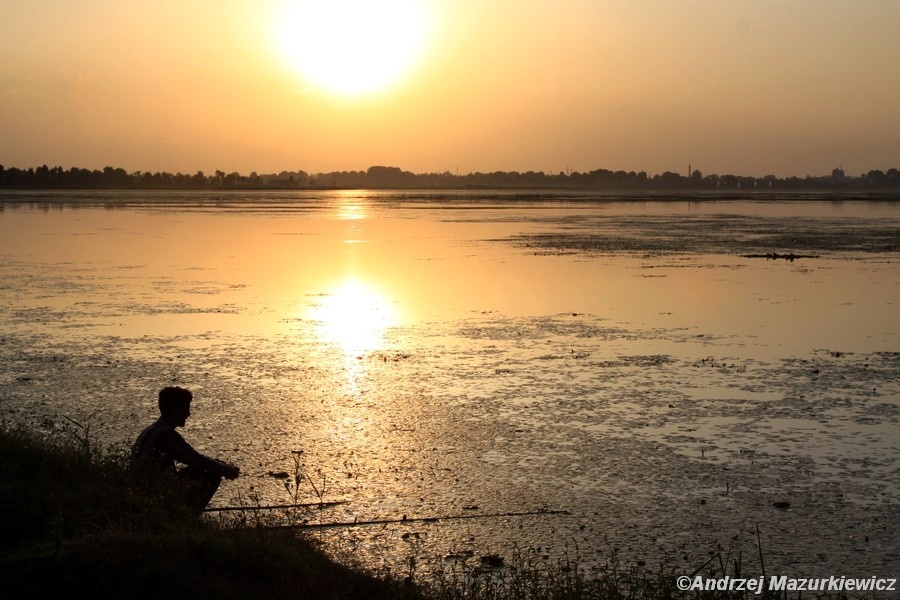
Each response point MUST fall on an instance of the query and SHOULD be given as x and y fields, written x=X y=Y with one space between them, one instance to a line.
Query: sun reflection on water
x=354 y=316
x=350 y=207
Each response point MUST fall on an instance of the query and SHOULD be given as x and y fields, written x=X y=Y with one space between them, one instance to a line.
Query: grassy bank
x=75 y=522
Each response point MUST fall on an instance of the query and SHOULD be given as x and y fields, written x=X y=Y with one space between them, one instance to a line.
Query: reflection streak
x=354 y=316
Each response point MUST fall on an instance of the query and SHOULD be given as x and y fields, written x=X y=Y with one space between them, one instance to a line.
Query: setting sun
x=352 y=46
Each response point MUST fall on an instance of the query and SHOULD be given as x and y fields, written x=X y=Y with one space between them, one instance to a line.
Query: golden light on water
x=350 y=208
x=354 y=316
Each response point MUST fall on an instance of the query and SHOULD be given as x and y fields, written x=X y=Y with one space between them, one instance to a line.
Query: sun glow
x=354 y=316
x=352 y=46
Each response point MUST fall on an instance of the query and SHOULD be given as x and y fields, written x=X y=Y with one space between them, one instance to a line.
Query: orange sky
x=789 y=87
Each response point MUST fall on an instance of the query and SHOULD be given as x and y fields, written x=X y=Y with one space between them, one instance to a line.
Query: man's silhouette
x=159 y=447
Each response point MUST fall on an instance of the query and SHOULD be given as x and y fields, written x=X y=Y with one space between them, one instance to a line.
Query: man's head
x=175 y=405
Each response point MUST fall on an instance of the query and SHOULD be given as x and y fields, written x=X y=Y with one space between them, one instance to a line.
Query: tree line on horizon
x=381 y=177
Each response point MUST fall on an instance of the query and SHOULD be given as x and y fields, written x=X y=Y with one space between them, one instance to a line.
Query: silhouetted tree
x=877 y=177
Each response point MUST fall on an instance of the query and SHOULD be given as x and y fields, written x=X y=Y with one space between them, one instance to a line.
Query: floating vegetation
x=748 y=236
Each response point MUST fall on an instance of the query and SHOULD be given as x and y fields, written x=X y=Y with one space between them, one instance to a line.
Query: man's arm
x=175 y=446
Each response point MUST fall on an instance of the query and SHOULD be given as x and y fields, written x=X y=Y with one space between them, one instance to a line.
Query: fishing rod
x=277 y=506
x=406 y=519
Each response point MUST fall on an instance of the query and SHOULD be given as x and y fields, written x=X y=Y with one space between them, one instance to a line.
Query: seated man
x=159 y=447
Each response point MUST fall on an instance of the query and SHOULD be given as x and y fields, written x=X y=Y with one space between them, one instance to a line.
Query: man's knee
x=202 y=484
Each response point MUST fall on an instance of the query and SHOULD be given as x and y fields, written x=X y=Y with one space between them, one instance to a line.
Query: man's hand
x=226 y=470
x=232 y=472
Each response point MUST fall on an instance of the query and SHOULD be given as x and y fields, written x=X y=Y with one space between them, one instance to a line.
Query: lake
x=665 y=371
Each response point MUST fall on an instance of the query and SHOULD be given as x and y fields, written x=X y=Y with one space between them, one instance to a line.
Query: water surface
x=640 y=364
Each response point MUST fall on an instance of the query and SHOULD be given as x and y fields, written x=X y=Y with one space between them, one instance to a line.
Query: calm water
x=458 y=353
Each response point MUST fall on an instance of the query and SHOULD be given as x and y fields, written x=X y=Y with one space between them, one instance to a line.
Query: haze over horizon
x=746 y=87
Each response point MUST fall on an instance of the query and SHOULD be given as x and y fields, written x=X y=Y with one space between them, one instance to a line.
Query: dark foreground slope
x=75 y=523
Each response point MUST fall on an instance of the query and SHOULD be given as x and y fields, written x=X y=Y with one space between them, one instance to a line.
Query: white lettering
x=783 y=583
x=755 y=585
x=864 y=585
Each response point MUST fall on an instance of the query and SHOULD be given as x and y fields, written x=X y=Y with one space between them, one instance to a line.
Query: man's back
x=151 y=445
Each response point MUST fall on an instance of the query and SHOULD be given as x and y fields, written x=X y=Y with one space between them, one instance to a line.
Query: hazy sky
x=789 y=87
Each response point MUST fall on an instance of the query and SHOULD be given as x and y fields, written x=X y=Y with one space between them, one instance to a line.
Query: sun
x=352 y=46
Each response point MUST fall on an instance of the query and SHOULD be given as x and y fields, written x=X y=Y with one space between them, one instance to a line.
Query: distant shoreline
x=394 y=178
x=500 y=194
